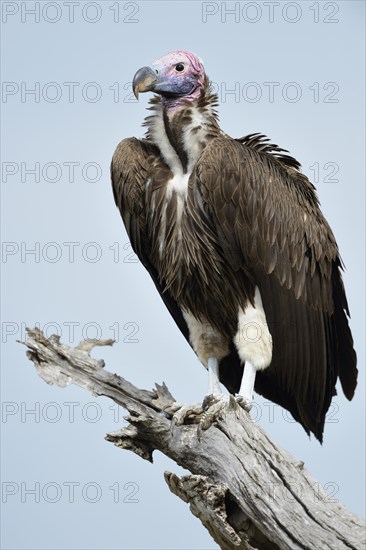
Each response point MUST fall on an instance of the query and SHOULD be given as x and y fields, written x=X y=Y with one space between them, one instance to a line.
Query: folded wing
x=267 y=220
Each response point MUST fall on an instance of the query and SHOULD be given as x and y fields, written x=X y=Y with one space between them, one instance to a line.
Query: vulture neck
x=181 y=131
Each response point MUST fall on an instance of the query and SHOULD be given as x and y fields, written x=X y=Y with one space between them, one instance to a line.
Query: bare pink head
x=177 y=76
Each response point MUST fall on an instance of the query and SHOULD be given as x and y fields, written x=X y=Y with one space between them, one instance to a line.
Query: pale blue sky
x=318 y=59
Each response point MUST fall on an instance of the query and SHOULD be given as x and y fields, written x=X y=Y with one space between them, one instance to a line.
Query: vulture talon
x=185 y=414
x=216 y=408
x=245 y=404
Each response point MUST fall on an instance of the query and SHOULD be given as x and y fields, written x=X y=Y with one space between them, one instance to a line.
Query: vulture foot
x=209 y=411
x=186 y=414
x=244 y=403
x=215 y=406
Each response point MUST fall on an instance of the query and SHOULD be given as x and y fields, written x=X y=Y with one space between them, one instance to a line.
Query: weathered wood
x=248 y=492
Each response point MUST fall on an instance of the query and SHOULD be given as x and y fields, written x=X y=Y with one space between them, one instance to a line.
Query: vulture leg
x=214 y=387
x=245 y=395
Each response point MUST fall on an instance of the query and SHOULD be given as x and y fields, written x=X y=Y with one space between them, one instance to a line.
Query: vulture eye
x=179 y=67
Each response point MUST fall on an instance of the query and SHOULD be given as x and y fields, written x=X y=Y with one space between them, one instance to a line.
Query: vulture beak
x=144 y=81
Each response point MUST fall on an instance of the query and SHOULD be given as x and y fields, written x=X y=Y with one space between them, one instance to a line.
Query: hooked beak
x=144 y=81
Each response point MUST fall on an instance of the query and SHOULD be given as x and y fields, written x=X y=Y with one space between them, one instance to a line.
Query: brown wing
x=129 y=171
x=268 y=222
x=130 y=168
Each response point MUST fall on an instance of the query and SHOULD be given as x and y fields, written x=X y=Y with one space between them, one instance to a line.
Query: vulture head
x=176 y=76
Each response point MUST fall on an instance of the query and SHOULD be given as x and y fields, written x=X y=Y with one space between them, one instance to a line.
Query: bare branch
x=247 y=491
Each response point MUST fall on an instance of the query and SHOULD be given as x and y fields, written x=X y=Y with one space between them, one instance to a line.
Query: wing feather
x=277 y=209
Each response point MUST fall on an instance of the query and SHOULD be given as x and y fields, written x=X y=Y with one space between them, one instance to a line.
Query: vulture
x=232 y=234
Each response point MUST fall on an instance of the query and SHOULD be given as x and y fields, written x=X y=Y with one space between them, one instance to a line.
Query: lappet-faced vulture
x=232 y=234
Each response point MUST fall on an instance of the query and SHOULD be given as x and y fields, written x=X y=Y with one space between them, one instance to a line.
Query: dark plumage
x=245 y=218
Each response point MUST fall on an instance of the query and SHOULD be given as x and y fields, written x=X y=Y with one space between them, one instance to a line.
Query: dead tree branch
x=247 y=492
